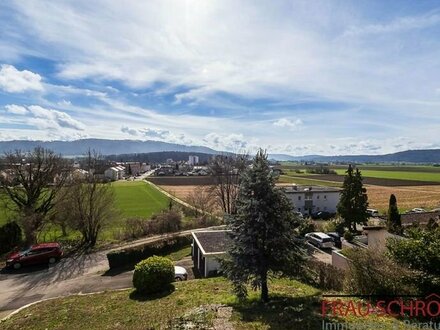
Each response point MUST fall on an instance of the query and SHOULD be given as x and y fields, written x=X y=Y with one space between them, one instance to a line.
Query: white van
x=320 y=240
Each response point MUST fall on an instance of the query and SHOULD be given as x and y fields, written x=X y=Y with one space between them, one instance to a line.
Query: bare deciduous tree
x=226 y=174
x=88 y=204
x=202 y=199
x=91 y=208
x=32 y=181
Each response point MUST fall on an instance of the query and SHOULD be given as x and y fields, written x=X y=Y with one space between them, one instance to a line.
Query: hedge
x=131 y=256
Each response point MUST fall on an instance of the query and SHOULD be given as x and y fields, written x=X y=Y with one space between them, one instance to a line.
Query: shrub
x=10 y=236
x=130 y=256
x=370 y=272
x=324 y=276
x=153 y=274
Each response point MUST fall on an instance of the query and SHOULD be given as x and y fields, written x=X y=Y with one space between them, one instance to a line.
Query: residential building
x=115 y=173
x=208 y=246
x=193 y=160
x=311 y=199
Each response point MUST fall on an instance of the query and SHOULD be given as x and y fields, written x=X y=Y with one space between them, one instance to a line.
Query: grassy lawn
x=401 y=175
x=133 y=199
x=293 y=306
x=138 y=199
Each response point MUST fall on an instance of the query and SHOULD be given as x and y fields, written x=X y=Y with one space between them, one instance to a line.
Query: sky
x=293 y=77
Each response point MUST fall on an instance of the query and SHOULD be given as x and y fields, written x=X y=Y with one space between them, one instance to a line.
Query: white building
x=208 y=246
x=115 y=173
x=311 y=199
x=193 y=160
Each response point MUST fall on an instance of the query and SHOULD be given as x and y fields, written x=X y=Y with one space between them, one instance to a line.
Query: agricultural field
x=398 y=175
x=408 y=197
x=138 y=199
x=133 y=199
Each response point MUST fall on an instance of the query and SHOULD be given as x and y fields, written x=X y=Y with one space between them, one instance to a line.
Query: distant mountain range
x=409 y=156
x=126 y=147
x=105 y=147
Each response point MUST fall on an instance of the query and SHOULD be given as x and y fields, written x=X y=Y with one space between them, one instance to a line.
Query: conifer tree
x=353 y=203
x=394 y=223
x=262 y=232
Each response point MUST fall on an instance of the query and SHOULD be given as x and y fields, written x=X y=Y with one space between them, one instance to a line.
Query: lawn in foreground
x=293 y=306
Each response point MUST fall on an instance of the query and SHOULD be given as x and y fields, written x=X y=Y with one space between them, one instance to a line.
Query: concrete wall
x=339 y=261
x=377 y=239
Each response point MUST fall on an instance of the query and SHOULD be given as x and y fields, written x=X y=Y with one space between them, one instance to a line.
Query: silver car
x=320 y=240
x=180 y=274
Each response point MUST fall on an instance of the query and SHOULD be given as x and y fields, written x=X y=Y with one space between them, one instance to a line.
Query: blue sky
x=295 y=77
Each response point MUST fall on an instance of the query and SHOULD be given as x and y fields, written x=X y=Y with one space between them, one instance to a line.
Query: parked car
x=323 y=215
x=36 y=254
x=320 y=240
x=373 y=212
x=417 y=210
x=336 y=239
x=180 y=273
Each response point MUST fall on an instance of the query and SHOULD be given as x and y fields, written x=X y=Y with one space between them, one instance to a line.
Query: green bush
x=153 y=274
x=130 y=256
x=10 y=236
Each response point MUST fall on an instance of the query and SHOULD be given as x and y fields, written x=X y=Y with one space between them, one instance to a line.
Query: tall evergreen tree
x=394 y=223
x=353 y=203
x=263 y=243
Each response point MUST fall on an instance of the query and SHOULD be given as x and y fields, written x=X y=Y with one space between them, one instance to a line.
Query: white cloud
x=229 y=142
x=54 y=119
x=15 y=81
x=16 y=109
x=155 y=133
x=288 y=123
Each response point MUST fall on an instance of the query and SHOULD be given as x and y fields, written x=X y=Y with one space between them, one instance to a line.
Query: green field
x=399 y=175
x=306 y=181
x=132 y=199
x=138 y=199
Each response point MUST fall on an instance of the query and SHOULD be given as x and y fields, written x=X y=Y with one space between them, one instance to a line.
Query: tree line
x=41 y=187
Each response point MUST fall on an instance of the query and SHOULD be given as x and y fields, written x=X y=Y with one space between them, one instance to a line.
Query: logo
x=395 y=306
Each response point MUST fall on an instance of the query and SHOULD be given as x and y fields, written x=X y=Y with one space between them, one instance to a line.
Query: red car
x=36 y=254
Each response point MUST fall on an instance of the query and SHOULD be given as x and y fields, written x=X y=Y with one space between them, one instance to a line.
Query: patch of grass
x=293 y=305
x=138 y=199
x=400 y=175
x=133 y=199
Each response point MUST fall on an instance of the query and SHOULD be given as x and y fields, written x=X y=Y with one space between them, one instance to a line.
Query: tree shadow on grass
x=282 y=312
x=141 y=296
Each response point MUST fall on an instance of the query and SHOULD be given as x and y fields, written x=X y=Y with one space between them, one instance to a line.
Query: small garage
x=208 y=246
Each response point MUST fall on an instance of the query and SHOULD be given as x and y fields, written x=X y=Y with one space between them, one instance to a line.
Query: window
x=317 y=197
x=299 y=198
x=299 y=209
x=325 y=197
